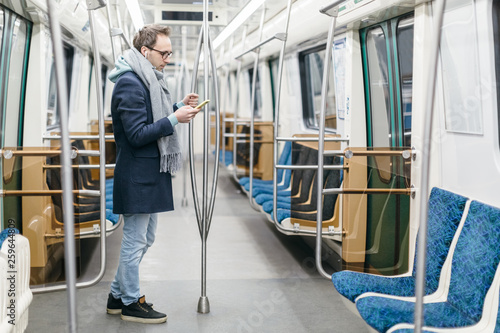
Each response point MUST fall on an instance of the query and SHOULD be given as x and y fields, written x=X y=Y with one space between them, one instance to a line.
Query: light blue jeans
x=138 y=235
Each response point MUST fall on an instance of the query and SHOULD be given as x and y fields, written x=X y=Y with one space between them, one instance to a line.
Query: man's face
x=163 y=44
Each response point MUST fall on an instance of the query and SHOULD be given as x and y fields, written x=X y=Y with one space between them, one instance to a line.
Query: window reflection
x=379 y=87
x=311 y=63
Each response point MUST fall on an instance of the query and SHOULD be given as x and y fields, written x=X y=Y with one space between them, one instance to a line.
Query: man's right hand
x=186 y=113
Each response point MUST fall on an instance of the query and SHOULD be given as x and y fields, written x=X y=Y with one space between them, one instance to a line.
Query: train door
x=387 y=52
x=15 y=37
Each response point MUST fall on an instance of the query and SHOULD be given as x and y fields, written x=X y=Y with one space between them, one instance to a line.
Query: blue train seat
x=444 y=215
x=285 y=159
x=490 y=319
x=4 y=234
x=228 y=157
x=474 y=264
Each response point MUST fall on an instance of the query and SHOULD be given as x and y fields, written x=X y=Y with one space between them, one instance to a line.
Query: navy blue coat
x=139 y=186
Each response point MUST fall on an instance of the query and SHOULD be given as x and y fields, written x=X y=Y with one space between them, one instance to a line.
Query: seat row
x=296 y=190
x=86 y=208
x=462 y=277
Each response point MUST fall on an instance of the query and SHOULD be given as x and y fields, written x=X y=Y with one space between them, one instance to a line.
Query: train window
x=388 y=70
x=380 y=102
x=311 y=73
x=52 y=110
x=257 y=108
x=404 y=36
x=339 y=56
x=273 y=64
x=16 y=82
x=460 y=69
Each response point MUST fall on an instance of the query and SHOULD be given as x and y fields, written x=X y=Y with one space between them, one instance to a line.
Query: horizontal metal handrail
x=407 y=191
x=331 y=9
x=42 y=193
x=95 y=153
x=86 y=166
x=238 y=135
x=404 y=153
x=79 y=137
x=333 y=153
x=311 y=167
x=231 y=120
x=280 y=35
x=8 y=154
x=256 y=141
x=309 y=139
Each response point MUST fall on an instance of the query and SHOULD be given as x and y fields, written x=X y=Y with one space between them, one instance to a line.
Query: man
x=148 y=151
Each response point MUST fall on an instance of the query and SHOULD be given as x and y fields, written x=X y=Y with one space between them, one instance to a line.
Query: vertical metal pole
x=426 y=152
x=203 y=303
x=92 y=5
x=110 y=26
x=183 y=91
x=66 y=170
x=231 y=43
x=252 y=115
x=321 y=146
x=276 y=117
x=235 y=125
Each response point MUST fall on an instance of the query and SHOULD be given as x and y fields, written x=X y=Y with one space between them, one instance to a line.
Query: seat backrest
x=300 y=155
x=443 y=217
x=475 y=259
x=284 y=158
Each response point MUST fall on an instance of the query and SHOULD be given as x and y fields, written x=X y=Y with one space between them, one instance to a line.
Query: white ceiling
x=227 y=9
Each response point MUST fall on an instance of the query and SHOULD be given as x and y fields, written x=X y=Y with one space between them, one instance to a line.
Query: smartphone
x=202 y=104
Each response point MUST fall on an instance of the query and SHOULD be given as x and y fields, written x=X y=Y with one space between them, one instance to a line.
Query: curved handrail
x=252 y=107
x=321 y=143
x=276 y=118
x=194 y=185
x=217 y=134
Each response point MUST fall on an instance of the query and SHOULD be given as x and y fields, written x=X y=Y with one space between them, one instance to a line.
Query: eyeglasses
x=164 y=55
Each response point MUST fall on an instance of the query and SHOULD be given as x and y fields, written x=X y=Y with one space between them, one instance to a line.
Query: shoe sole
x=145 y=320
x=113 y=311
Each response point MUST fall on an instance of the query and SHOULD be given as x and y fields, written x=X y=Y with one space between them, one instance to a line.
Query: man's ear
x=144 y=51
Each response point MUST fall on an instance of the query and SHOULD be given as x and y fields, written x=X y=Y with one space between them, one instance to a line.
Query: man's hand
x=186 y=113
x=191 y=100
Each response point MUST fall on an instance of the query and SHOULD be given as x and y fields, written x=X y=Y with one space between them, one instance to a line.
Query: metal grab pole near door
x=66 y=171
x=92 y=5
x=204 y=215
x=331 y=10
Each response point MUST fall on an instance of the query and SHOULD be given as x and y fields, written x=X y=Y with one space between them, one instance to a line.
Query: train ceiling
x=179 y=14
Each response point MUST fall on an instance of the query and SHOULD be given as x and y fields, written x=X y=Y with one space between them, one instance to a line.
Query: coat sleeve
x=131 y=106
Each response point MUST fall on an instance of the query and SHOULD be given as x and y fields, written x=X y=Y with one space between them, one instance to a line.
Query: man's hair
x=147 y=35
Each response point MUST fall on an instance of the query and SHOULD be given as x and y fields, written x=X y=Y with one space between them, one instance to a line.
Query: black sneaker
x=115 y=305
x=142 y=312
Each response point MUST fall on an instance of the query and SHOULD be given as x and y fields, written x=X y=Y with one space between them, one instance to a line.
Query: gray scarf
x=161 y=102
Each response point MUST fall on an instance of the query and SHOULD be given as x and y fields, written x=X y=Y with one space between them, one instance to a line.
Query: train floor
x=258 y=280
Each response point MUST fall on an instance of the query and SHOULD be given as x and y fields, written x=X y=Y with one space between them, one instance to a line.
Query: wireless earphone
x=146 y=54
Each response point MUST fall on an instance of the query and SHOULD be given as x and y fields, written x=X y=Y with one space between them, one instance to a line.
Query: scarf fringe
x=171 y=163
